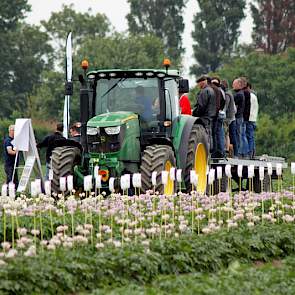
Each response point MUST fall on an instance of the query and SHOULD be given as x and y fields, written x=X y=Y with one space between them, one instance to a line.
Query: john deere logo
x=102 y=139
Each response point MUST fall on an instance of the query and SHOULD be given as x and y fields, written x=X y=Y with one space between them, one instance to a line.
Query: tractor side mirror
x=69 y=88
x=183 y=86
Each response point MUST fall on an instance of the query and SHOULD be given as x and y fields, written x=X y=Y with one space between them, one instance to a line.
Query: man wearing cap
x=205 y=107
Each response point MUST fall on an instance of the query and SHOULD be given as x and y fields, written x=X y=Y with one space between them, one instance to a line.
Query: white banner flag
x=69 y=69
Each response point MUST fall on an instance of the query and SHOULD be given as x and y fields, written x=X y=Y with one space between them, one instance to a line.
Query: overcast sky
x=116 y=11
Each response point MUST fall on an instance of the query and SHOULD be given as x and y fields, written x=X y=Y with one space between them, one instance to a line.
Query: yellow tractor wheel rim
x=169 y=187
x=201 y=167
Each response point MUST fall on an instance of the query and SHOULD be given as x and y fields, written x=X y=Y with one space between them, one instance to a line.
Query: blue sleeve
x=7 y=143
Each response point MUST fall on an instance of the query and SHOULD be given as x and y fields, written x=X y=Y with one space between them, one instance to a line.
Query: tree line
x=33 y=61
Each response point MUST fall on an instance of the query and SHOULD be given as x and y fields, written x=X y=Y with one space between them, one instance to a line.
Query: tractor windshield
x=137 y=95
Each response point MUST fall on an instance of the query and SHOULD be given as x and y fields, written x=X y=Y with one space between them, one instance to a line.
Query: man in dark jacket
x=240 y=125
x=205 y=107
x=246 y=113
x=217 y=128
x=75 y=132
x=48 y=142
x=9 y=157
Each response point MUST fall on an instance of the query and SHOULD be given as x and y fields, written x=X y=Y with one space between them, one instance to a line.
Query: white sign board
x=24 y=139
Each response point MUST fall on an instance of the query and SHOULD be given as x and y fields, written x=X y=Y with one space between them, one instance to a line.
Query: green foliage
x=216 y=31
x=272 y=278
x=272 y=77
x=164 y=19
x=120 y=51
x=274 y=25
x=276 y=136
x=11 y=12
x=85 y=268
x=24 y=54
x=46 y=102
x=83 y=26
x=34 y=56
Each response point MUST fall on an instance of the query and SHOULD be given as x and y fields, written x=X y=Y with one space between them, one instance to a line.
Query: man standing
x=240 y=126
x=74 y=132
x=246 y=113
x=230 y=120
x=9 y=156
x=205 y=107
x=251 y=123
x=48 y=142
x=218 y=130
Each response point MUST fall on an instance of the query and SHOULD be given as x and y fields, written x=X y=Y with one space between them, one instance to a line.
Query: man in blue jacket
x=10 y=153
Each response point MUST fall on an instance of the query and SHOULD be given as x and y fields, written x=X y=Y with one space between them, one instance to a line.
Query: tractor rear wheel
x=197 y=158
x=157 y=158
x=63 y=160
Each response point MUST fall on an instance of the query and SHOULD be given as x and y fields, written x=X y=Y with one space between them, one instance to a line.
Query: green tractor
x=130 y=123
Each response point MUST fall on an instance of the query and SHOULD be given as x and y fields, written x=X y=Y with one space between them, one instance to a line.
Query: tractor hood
x=111 y=119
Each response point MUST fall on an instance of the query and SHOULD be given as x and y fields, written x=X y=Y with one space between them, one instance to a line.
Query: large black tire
x=155 y=158
x=198 y=143
x=63 y=160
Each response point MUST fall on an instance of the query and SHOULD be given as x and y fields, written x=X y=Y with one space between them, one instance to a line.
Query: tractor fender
x=183 y=148
x=67 y=142
x=162 y=141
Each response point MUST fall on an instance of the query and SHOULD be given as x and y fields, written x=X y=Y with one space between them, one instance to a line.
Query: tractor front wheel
x=157 y=158
x=63 y=160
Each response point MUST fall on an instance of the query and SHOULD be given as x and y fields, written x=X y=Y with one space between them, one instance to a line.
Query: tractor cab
x=152 y=95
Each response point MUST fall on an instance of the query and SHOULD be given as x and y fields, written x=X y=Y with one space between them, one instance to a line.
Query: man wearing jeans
x=240 y=125
x=251 y=124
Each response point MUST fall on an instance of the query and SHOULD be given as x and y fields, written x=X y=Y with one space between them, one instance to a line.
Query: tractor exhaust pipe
x=84 y=111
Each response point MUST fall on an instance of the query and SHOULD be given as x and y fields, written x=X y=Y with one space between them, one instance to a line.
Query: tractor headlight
x=92 y=130
x=112 y=130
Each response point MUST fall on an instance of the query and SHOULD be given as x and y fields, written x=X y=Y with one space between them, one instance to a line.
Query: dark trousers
x=9 y=173
x=250 y=130
x=233 y=137
x=218 y=138
x=208 y=127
